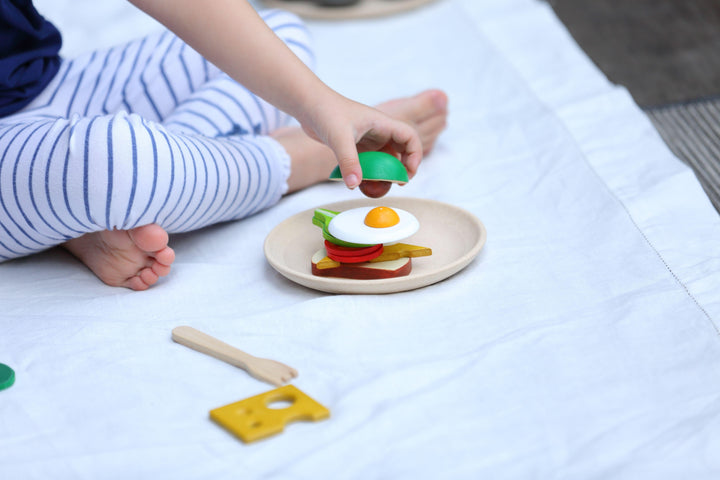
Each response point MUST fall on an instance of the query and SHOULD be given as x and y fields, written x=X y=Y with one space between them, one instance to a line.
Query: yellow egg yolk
x=381 y=217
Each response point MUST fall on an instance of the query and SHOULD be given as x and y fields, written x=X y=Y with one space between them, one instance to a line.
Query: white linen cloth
x=582 y=343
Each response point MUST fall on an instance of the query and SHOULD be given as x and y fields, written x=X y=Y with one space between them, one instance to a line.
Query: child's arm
x=231 y=35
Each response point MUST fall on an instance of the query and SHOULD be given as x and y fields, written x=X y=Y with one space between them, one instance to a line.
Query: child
x=106 y=153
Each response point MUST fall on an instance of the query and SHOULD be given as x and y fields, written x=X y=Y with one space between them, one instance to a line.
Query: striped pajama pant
x=147 y=132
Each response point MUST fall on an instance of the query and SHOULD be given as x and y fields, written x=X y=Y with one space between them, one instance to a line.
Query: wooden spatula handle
x=209 y=345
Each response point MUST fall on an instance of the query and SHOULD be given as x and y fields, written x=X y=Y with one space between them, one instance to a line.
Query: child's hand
x=348 y=127
x=279 y=77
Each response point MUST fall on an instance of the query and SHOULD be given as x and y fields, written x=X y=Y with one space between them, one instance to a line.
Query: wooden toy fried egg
x=373 y=225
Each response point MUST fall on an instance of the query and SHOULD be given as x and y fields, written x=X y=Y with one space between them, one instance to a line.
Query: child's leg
x=93 y=172
x=60 y=179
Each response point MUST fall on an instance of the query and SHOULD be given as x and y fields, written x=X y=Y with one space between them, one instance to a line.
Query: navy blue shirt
x=29 y=59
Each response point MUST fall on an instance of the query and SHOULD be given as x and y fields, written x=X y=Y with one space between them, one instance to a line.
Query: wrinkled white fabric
x=581 y=343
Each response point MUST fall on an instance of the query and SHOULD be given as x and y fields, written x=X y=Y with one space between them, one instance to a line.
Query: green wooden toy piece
x=7 y=376
x=321 y=218
x=378 y=166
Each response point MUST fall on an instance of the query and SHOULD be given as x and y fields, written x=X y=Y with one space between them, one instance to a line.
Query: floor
x=667 y=54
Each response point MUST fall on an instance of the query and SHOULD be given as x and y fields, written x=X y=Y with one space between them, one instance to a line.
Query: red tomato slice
x=352 y=255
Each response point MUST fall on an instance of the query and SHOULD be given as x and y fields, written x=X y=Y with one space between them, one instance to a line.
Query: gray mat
x=692 y=131
x=663 y=51
x=667 y=54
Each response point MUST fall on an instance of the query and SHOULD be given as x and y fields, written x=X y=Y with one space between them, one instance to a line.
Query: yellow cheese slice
x=253 y=419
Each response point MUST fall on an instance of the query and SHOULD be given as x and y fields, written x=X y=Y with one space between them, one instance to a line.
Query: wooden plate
x=362 y=9
x=455 y=235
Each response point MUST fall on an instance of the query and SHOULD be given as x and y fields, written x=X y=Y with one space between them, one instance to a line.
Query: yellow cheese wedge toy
x=254 y=418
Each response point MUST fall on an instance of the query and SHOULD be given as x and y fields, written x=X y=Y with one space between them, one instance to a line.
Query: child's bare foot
x=125 y=258
x=312 y=161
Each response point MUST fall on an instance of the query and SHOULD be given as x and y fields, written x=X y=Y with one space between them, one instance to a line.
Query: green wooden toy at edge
x=7 y=376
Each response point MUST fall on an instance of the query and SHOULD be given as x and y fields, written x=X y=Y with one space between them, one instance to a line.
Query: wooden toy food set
x=361 y=253
x=360 y=243
x=367 y=246
x=256 y=417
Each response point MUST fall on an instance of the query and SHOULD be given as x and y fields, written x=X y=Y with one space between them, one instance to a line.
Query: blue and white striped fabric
x=147 y=132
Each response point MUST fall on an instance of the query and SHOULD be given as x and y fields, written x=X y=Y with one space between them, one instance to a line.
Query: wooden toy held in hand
x=380 y=171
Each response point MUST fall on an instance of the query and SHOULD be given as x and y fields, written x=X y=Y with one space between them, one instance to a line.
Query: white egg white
x=349 y=226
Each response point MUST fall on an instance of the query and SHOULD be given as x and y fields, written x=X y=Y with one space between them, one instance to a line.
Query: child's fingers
x=406 y=141
x=347 y=158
